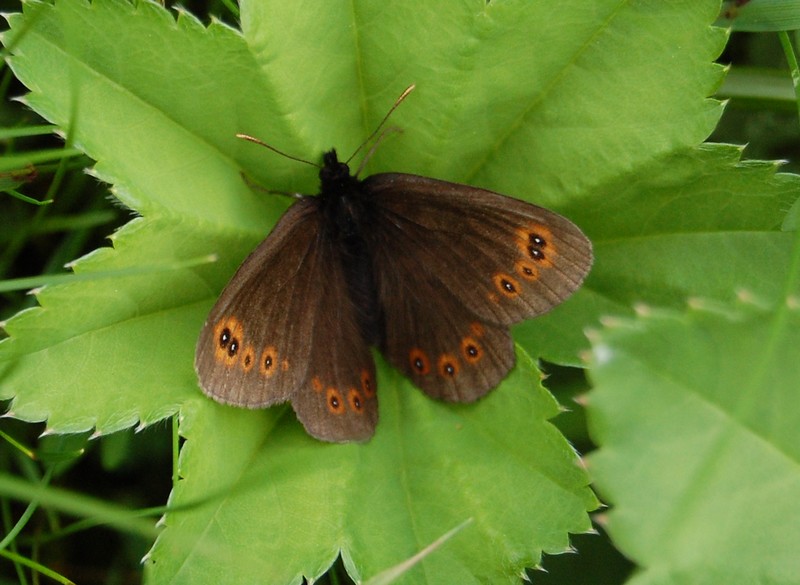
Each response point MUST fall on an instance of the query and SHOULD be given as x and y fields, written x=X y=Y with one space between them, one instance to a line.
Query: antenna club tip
x=248 y=137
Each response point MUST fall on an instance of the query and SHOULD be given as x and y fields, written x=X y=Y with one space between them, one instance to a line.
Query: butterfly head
x=334 y=175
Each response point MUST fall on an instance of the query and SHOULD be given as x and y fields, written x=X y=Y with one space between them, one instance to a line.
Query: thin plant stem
x=791 y=59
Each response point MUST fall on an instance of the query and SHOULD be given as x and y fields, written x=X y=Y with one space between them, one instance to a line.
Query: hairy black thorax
x=348 y=212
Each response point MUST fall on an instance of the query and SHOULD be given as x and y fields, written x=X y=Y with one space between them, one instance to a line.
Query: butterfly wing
x=284 y=329
x=455 y=266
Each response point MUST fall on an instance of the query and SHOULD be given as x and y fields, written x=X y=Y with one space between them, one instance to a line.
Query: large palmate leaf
x=163 y=131
x=276 y=503
x=697 y=414
x=553 y=103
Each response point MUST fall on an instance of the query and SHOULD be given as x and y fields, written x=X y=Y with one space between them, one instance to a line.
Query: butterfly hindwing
x=279 y=332
x=440 y=346
x=455 y=266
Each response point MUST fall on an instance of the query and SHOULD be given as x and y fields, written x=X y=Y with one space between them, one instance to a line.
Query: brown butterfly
x=431 y=273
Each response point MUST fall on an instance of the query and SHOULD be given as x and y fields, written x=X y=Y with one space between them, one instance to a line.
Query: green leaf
x=392 y=574
x=515 y=94
x=429 y=467
x=554 y=104
x=115 y=379
x=697 y=415
x=696 y=222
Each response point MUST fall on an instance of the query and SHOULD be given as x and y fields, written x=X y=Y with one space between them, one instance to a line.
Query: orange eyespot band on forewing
x=527 y=270
x=248 y=358
x=535 y=241
x=268 y=362
x=506 y=284
x=228 y=340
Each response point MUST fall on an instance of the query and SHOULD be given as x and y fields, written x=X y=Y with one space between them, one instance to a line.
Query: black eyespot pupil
x=233 y=347
x=472 y=350
x=268 y=362
x=357 y=402
x=224 y=337
x=537 y=242
x=247 y=360
x=449 y=369
x=334 y=402
x=418 y=364
x=508 y=286
x=527 y=271
x=536 y=253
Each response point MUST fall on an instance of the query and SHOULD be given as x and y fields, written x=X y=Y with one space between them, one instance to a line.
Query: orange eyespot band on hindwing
x=334 y=401
x=229 y=336
x=367 y=385
x=471 y=350
x=355 y=401
x=419 y=361
x=448 y=366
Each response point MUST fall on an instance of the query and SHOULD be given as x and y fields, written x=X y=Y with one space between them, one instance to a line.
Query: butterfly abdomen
x=347 y=212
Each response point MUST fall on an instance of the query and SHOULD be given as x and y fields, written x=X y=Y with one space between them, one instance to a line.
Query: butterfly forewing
x=455 y=266
x=505 y=259
x=280 y=332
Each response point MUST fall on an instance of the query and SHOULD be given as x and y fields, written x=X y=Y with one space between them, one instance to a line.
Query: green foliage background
x=597 y=110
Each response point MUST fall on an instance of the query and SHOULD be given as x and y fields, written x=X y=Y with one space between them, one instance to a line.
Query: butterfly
x=429 y=272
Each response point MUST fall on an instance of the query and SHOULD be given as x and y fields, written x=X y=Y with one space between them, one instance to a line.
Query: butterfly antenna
x=397 y=102
x=273 y=149
x=374 y=147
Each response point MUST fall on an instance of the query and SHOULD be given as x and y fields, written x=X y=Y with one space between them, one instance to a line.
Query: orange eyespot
x=506 y=284
x=527 y=270
x=229 y=334
x=448 y=365
x=268 y=361
x=335 y=402
x=367 y=385
x=355 y=400
x=248 y=358
x=419 y=361
x=535 y=241
x=471 y=350
x=316 y=384
x=476 y=329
